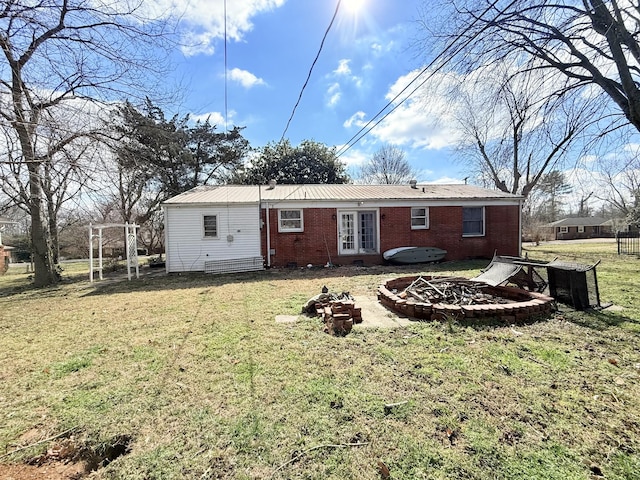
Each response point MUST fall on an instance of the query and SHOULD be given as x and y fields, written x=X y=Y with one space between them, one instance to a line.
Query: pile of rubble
x=337 y=311
x=452 y=291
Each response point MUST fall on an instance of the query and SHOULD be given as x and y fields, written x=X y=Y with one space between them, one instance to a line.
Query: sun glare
x=353 y=6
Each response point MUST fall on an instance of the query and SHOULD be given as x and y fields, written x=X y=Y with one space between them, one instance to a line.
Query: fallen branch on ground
x=62 y=434
x=318 y=447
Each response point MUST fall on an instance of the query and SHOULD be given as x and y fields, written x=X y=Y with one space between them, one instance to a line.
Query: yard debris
x=389 y=407
x=384 y=471
x=338 y=311
x=452 y=291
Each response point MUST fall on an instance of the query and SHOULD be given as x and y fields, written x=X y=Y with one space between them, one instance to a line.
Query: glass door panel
x=367 y=230
x=347 y=233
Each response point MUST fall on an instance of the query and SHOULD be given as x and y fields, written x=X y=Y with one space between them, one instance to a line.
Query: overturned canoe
x=414 y=254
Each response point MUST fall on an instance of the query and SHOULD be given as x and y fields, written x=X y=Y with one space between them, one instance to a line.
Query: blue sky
x=369 y=54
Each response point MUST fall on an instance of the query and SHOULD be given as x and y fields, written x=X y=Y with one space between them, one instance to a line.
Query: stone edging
x=526 y=305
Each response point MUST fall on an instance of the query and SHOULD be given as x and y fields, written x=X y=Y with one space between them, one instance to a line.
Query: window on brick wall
x=210 y=226
x=581 y=229
x=419 y=218
x=564 y=229
x=472 y=221
x=290 y=221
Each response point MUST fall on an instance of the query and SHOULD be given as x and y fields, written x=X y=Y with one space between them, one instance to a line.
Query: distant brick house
x=5 y=252
x=234 y=228
x=4 y=259
x=580 y=227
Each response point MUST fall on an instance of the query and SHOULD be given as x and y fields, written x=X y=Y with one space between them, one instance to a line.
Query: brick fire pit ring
x=522 y=305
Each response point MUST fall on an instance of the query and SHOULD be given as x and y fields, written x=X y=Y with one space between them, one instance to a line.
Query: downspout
x=520 y=202
x=267 y=223
x=268 y=238
x=90 y=252
x=165 y=215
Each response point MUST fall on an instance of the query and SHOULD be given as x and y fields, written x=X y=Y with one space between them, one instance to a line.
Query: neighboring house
x=580 y=227
x=5 y=251
x=235 y=228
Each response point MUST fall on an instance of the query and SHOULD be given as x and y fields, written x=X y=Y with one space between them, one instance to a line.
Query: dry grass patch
x=197 y=373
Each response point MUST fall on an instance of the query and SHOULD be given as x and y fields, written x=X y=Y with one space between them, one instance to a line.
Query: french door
x=358 y=232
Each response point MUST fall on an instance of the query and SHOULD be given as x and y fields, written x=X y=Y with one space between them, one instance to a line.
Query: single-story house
x=226 y=228
x=580 y=227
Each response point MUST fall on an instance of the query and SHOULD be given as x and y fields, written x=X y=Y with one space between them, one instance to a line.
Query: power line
x=226 y=107
x=370 y=125
x=335 y=14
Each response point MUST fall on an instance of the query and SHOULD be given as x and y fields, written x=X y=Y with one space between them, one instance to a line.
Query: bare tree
x=54 y=52
x=590 y=43
x=388 y=166
x=618 y=183
x=511 y=133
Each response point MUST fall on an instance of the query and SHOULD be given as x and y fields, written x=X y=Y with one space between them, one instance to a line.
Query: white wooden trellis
x=131 y=246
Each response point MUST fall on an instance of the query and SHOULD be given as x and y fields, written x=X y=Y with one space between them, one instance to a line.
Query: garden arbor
x=130 y=242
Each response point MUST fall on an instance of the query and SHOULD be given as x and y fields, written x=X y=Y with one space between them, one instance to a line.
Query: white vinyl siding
x=238 y=235
x=419 y=218
x=473 y=221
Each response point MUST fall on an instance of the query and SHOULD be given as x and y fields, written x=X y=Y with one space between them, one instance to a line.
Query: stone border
x=526 y=305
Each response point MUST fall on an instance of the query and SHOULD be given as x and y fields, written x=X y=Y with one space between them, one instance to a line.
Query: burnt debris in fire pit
x=452 y=291
x=443 y=298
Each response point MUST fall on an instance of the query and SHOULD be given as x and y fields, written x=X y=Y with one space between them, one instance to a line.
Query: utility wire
x=226 y=107
x=370 y=125
x=335 y=14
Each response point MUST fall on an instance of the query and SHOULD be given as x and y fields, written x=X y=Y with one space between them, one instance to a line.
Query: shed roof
x=580 y=222
x=227 y=194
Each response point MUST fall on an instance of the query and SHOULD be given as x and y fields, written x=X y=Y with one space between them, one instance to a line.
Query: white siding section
x=186 y=247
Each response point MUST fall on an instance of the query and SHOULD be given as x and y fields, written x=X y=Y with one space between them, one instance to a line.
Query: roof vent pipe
x=413 y=183
x=272 y=184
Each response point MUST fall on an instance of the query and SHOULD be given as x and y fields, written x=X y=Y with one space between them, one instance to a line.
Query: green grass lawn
x=196 y=373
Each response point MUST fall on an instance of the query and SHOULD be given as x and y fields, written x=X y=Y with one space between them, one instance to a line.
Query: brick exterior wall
x=318 y=244
x=4 y=260
x=589 y=232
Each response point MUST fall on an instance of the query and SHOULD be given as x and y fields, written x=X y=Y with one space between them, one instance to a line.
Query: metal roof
x=227 y=194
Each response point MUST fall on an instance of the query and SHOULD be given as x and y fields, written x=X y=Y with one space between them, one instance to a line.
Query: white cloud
x=245 y=78
x=334 y=93
x=355 y=119
x=215 y=118
x=354 y=158
x=202 y=21
x=342 y=73
x=423 y=121
x=343 y=67
x=446 y=180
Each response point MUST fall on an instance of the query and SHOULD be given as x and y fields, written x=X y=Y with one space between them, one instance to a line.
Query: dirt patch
x=68 y=459
x=49 y=471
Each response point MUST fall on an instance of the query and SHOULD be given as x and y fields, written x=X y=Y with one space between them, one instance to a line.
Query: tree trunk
x=45 y=273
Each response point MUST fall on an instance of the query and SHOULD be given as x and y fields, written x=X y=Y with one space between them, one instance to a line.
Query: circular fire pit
x=472 y=300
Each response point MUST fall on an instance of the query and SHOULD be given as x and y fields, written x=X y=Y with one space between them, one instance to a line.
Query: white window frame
x=424 y=217
x=204 y=227
x=284 y=228
x=350 y=232
x=580 y=228
x=484 y=227
x=564 y=229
